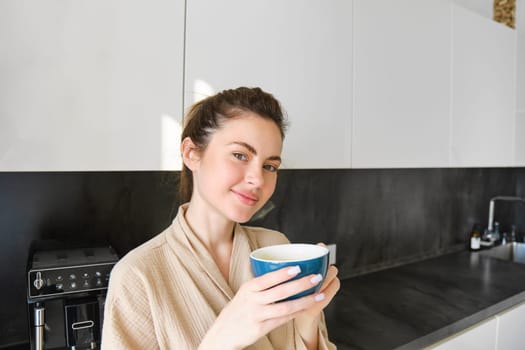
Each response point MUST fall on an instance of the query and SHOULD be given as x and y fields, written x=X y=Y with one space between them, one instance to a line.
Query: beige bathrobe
x=166 y=293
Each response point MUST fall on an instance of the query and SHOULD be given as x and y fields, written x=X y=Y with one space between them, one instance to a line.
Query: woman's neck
x=212 y=228
x=215 y=232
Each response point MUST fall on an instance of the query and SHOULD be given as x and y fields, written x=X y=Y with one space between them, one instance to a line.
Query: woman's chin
x=241 y=219
x=242 y=216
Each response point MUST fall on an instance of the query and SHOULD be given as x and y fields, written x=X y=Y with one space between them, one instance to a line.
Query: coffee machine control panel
x=47 y=282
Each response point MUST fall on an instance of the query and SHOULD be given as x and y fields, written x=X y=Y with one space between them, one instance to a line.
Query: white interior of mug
x=289 y=252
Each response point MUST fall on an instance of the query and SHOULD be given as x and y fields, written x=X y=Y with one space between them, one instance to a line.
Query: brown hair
x=208 y=115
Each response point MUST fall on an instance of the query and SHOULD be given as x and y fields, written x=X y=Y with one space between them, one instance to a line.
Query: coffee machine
x=66 y=290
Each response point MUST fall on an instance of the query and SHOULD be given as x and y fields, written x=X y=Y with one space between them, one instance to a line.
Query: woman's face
x=237 y=172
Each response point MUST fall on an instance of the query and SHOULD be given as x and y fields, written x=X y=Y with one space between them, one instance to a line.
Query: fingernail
x=294 y=270
x=316 y=279
x=319 y=297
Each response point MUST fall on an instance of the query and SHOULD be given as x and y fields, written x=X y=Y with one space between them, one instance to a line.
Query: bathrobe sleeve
x=128 y=320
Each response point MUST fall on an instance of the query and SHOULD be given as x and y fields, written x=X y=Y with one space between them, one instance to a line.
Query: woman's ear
x=189 y=153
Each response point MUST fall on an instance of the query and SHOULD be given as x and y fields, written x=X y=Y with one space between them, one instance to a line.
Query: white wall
x=89 y=85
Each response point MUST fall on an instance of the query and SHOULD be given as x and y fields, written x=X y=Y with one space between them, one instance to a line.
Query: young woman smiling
x=191 y=286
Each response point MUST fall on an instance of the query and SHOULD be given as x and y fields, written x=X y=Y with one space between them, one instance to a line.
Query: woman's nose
x=254 y=176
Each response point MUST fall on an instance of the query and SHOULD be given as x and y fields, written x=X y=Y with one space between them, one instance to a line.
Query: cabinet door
x=510 y=329
x=520 y=94
x=402 y=83
x=484 y=88
x=520 y=139
x=90 y=85
x=479 y=337
x=301 y=53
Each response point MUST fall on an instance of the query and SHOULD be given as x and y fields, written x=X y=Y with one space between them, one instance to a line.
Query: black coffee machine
x=66 y=290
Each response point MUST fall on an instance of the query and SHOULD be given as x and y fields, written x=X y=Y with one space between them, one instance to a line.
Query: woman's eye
x=270 y=167
x=240 y=156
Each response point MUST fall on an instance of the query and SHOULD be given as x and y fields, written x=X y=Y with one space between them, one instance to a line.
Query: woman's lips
x=246 y=198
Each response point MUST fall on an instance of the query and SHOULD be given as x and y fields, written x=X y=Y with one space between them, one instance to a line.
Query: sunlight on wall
x=170 y=138
x=201 y=90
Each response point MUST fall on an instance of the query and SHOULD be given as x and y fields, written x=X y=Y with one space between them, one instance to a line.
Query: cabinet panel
x=510 y=329
x=520 y=85
x=480 y=337
x=90 y=85
x=520 y=61
x=484 y=83
x=402 y=83
x=520 y=139
x=300 y=53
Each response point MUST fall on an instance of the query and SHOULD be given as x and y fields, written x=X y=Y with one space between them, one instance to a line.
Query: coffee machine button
x=60 y=278
x=98 y=273
x=85 y=284
x=59 y=286
x=85 y=275
x=73 y=285
x=99 y=282
x=38 y=282
x=72 y=277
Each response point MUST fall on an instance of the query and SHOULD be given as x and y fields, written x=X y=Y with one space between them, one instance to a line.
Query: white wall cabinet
x=520 y=139
x=435 y=86
x=484 y=91
x=402 y=83
x=301 y=53
x=520 y=86
x=366 y=84
x=90 y=85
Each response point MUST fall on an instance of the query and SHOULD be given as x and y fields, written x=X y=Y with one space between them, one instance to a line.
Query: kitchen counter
x=418 y=304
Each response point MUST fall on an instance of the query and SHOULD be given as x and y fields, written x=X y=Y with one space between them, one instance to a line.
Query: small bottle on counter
x=475 y=238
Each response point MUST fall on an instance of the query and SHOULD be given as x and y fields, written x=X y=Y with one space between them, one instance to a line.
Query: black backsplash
x=378 y=218
x=384 y=217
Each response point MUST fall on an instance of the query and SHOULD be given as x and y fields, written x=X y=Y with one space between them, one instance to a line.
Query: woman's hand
x=329 y=289
x=253 y=312
x=307 y=322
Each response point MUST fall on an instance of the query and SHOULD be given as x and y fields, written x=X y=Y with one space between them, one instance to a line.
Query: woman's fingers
x=331 y=273
x=273 y=289
x=331 y=289
x=288 y=289
x=273 y=278
x=289 y=308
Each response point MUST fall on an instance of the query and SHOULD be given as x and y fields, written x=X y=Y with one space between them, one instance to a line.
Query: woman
x=191 y=286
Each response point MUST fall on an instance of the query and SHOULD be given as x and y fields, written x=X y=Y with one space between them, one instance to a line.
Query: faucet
x=490 y=227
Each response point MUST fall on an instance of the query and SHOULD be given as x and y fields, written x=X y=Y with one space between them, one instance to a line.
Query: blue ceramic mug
x=311 y=258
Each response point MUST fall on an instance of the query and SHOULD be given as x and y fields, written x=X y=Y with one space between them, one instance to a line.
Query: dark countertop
x=418 y=304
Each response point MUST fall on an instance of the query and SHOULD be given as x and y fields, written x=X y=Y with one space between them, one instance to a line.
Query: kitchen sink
x=514 y=252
